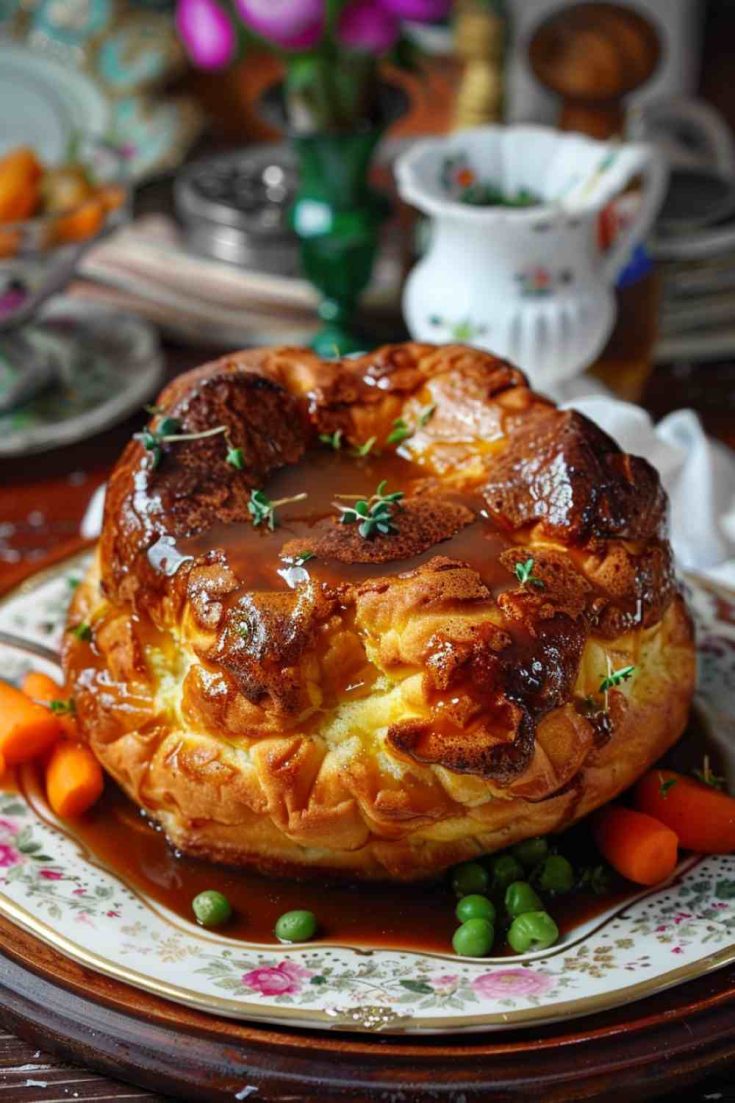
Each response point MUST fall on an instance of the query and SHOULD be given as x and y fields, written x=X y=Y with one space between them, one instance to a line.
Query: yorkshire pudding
x=377 y=689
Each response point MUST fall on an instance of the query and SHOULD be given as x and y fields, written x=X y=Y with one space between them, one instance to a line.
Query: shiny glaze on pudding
x=309 y=698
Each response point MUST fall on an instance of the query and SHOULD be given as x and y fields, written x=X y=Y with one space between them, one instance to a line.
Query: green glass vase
x=337 y=217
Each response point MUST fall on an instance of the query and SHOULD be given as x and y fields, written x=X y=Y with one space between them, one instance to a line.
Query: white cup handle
x=650 y=165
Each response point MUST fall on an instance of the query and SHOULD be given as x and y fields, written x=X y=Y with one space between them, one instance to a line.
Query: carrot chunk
x=80 y=224
x=20 y=172
x=40 y=687
x=27 y=729
x=638 y=846
x=702 y=818
x=74 y=779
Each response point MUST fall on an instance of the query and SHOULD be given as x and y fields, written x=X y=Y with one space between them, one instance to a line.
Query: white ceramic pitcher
x=529 y=283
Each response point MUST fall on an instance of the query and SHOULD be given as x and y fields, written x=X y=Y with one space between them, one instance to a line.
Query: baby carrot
x=636 y=845
x=702 y=818
x=74 y=779
x=27 y=729
x=19 y=175
x=40 y=687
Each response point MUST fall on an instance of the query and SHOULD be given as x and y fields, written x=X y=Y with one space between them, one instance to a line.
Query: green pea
x=470 y=878
x=475 y=907
x=520 y=898
x=555 y=875
x=530 y=852
x=211 y=908
x=532 y=931
x=505 y=870
x=296 y=926
x=474 y=938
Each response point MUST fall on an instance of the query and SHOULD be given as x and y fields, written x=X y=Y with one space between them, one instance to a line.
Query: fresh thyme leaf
x=400 y=431
x=263 y=510
x=72 y=583
x=524 y=574
x=62 y=707
x=708 y=777
x=372 y=515
x=616 y=678
x=82 y=631
x=235 y=458
x=665 y=784
x=243 y=630
x=169 y=427
x=334 y=440
x=301 y=558
x=364 y=449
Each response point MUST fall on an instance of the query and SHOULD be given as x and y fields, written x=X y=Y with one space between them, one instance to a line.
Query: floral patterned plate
x=51 y=885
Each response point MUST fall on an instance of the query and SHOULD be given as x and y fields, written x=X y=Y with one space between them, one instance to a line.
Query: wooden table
x=42 y=502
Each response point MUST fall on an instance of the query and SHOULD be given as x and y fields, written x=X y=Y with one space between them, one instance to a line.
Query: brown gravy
x=419 y=917
x=264 y=559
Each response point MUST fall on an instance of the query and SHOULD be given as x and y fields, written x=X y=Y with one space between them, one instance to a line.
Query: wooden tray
x=662 y=1043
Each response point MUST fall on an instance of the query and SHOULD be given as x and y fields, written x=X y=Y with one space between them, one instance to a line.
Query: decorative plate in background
x=51 y=885
x=95 y=69
x=107 y=365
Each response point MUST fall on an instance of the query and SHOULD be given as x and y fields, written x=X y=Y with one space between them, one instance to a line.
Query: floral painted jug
x=514 y=263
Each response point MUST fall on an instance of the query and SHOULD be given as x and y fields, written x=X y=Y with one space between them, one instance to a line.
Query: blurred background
x=551 y=181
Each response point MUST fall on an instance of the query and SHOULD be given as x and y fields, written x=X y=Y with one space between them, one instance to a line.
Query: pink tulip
x=420 y=10
x=290 y=24
x=365 y=25
x=207 y=33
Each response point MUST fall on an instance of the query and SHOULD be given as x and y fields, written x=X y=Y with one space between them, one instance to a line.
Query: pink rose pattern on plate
x=284 y=979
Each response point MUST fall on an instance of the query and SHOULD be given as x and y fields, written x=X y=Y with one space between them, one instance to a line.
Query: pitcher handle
x=649 y=164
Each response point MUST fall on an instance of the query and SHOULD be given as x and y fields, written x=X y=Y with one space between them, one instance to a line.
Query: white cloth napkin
x=698 y=473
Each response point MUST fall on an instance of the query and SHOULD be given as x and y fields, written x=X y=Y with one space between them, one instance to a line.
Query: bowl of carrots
x=49 y=215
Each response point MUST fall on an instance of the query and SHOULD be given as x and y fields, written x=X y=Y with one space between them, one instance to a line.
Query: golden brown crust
x=406 y=701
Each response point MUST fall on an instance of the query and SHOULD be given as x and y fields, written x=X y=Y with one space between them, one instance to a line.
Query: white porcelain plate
x=51 y=885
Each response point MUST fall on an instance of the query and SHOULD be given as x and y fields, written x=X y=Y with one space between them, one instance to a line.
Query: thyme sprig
x=63 y=706
x=374 y=515
x=168 y=431
x=82 y=631
x=664 y=784
x=616 y=678
x=263 y=510
x=299 y=559
x=402 y=430
x=334 y=440
x=366 y=448
x=707 y=776
x=524 y=574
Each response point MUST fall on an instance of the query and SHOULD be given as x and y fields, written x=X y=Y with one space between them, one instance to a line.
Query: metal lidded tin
x=234 y=207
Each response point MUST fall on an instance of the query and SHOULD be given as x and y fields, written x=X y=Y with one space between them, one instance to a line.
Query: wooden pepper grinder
x=592 y=55
x=478 y=39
